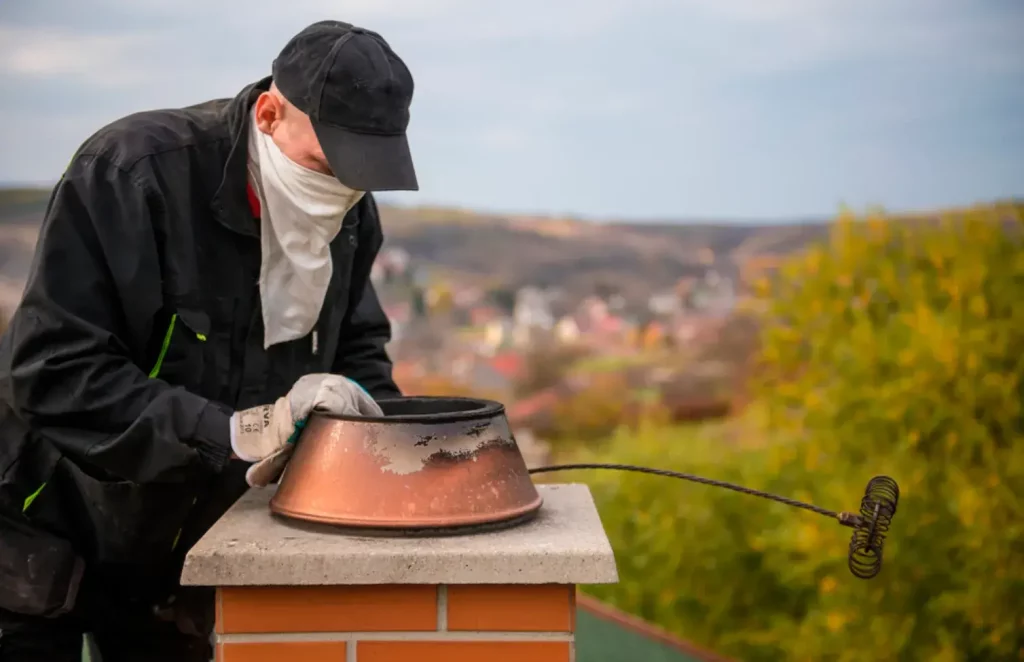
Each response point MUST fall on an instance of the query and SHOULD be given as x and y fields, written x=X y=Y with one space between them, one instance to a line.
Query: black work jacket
x=141 y=330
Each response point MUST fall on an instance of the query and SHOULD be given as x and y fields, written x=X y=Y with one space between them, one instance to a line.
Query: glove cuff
x=212 y=437
x=258 y=432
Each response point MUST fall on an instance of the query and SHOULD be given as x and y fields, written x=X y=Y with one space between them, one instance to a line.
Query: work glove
x=265 y=435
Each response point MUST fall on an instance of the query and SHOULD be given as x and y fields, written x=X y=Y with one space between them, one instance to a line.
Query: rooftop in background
x=605 y=634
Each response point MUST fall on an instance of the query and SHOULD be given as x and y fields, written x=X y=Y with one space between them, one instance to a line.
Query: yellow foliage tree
x=595 y=411
x=896 y=347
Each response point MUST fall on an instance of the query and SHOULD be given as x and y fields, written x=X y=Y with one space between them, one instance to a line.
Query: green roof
x=604 y=634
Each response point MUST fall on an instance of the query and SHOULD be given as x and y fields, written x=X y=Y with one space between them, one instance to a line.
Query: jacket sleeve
x=74 y=344
x=362 y=354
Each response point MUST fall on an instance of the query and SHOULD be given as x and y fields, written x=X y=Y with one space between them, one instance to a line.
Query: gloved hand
x=264 y=435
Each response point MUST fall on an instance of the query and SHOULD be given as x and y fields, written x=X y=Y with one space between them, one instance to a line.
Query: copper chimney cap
x=429 y=463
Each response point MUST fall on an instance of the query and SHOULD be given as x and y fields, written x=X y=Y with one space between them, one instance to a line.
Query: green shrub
x=698 y=560
x=899 y=348
x=894 y=348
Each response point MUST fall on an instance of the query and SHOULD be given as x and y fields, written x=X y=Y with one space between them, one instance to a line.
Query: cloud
x=729 y=105
x=772 y=37
x=504 y=138
x=105 y=60
x=301 y=11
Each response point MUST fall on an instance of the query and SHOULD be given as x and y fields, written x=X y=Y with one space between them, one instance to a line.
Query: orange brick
x=463 y=651
x=326 y=609
x=518 y=608
x=306 y=651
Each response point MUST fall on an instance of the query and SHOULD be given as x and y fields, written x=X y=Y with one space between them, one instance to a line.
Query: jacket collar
x=230 y=202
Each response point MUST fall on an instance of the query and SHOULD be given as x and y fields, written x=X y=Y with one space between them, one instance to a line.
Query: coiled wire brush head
x=870 y=525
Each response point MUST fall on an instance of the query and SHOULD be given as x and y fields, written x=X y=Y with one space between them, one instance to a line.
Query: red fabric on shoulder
x=254 y=202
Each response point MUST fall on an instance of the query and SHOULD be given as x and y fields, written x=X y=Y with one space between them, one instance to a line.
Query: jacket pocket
x=181 y=360
x=39 y=572
x=119 y=522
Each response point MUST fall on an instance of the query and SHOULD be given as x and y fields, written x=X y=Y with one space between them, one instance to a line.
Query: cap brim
x=368 y=162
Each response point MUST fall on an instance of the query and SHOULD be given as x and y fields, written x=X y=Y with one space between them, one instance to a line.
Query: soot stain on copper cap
x=445 y=456
x=458 y=444
x=425 y=439
x=478 y=428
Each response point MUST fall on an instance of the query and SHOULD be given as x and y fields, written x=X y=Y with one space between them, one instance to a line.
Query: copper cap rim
x=481 y=407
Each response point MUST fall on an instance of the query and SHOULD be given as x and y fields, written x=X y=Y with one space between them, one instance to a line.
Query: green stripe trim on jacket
x=32 y=497
x=177 y=536
x=163 y=348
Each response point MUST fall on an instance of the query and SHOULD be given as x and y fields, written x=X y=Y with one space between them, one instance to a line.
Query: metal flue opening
x=426 y=410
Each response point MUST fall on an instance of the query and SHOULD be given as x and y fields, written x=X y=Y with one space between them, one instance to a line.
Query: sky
x=753 y=110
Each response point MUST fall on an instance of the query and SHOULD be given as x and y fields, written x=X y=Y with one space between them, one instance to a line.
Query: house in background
x=531 y=316
x=716 y=291
x=532 y=308
x=567 y=331
x=665 y=304
x=498 y=334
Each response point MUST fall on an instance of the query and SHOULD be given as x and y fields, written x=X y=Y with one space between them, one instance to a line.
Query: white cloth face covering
x=301 y=212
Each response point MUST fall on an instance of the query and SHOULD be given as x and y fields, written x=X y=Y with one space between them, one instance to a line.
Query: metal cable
x=690 y=477
x=870 y=527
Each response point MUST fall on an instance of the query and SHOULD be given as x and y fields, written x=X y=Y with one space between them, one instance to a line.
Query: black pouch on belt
x=39 y=572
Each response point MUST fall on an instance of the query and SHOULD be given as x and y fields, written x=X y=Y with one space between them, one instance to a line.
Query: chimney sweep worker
x=200 y=284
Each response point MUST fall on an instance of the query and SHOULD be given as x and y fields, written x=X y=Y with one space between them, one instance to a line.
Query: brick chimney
x=298 y=592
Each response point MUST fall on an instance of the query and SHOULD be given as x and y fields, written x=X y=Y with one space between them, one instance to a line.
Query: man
x=200 y=285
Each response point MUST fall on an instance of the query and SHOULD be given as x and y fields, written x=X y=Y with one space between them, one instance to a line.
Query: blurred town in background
x=801 y=358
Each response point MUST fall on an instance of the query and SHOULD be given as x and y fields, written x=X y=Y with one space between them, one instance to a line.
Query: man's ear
x=268 y=112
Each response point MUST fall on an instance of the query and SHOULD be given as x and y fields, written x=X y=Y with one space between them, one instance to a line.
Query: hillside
x=19 y=205
x=578 y=255
x=511 y=250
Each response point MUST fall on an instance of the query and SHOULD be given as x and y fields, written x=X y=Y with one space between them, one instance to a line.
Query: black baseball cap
x=357 y=93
